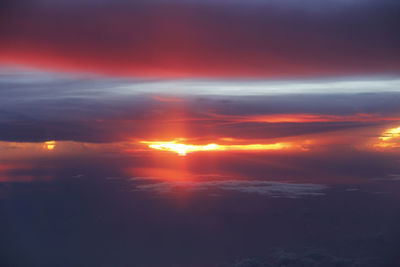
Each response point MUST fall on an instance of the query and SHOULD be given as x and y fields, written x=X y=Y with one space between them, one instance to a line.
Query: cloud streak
x=273 y=189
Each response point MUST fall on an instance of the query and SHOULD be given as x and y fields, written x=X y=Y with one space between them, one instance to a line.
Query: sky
x=215 y=133
x=186 y=38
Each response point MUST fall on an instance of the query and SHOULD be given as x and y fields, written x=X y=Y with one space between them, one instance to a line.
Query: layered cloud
x=203 y=38
x=44 y=106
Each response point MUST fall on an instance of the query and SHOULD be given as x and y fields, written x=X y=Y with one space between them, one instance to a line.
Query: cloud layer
x=274 y=189
x=38 y=106
x=203 y=38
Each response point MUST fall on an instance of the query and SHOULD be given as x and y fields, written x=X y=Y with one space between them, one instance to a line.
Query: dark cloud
x=87 y=214
x=81 y=202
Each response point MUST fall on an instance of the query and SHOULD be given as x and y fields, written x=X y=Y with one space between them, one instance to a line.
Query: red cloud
x=182 y=40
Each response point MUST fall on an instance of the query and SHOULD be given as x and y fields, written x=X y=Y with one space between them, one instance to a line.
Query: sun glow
x=389 y=139
x=182 y=149
x=390 y=134
x=49 y=145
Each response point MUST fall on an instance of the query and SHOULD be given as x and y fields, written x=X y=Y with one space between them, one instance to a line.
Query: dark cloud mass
x=203 y=38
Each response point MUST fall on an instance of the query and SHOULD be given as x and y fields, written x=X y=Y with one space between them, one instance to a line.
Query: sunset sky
x=213 y=133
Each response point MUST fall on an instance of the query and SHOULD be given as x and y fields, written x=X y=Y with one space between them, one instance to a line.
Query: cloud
x=40 y=106
x=248 y=263
x=308 y=257
x=273 y=189
x=203 y=38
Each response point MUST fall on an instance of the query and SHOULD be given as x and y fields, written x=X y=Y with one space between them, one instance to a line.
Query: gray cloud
x=273 y=189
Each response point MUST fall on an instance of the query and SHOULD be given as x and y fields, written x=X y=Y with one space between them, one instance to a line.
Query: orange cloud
x=49 y=145
x=182 y=149
x=304 y=118
x=389 y=139
x=390 y=134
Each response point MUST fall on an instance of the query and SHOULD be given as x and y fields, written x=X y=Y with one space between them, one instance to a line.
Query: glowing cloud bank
x=183 y=149
x=390 y=134
x=389 y=139
x=49 y=145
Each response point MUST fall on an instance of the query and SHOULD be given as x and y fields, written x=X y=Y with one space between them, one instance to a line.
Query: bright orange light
x=49 y=145
x=183 y=149
x=390 y=134
x=304 y=118
x=386 y=145
x=389 y=139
